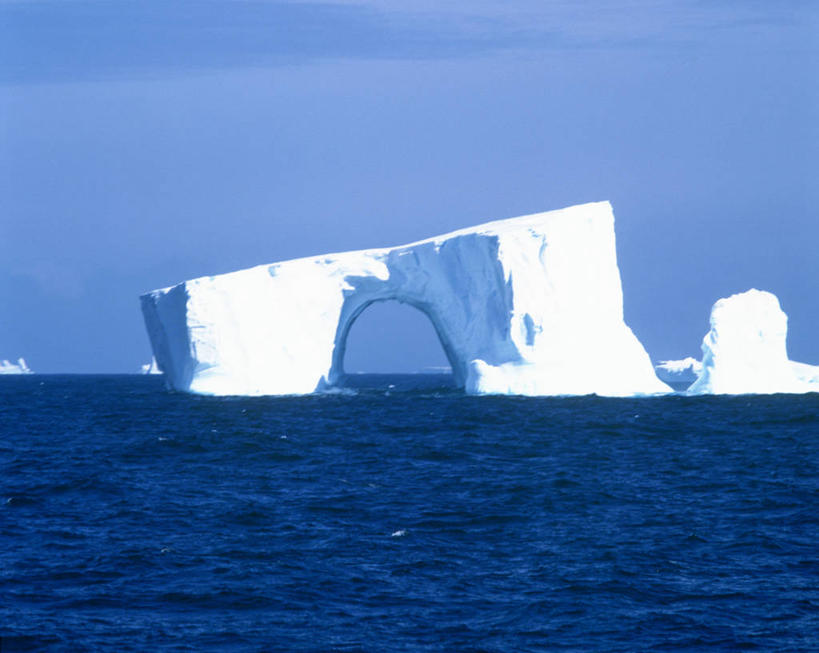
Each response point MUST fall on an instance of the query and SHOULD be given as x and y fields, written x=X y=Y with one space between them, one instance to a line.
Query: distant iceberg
x=686 y=370
x=20 y=367
x=745 y=351
x=150 y=368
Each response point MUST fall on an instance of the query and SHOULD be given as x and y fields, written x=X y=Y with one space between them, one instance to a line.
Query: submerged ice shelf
x=530 y=305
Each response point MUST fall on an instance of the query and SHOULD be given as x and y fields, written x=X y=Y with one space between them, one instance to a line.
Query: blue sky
x=143 y=143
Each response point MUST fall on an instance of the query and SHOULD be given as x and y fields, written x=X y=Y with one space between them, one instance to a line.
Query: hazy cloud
x=55 y=40
x=92 y=38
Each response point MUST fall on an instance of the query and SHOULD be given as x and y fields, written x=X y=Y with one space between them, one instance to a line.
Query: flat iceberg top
x=533 y=221
x=498 y=227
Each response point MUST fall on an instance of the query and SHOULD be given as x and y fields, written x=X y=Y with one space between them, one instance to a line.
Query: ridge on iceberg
x=20 y=367
x=679 y=371
x=530 y=305
x=745 y=350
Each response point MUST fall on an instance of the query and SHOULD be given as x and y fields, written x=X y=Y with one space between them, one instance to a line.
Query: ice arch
x=529 y=305
x=390 y=337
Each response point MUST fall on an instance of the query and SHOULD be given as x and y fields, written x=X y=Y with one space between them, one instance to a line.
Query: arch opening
x=391 y=338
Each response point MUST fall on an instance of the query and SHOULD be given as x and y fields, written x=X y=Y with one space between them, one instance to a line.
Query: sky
x=143 y=143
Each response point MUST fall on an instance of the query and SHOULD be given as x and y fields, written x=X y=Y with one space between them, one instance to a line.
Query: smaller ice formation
x=150 y=368
x=682 y=371
x=20 y=367
x=745 y=350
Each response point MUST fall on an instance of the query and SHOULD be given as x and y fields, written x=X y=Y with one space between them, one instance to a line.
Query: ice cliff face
x=745 y=350
x=529 y=305
x=20 y=367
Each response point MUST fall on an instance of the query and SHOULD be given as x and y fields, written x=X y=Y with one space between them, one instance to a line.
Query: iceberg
x=150 y=368
x=679 y=371
x=530 y=305
x=20 y=367
x=745 y=350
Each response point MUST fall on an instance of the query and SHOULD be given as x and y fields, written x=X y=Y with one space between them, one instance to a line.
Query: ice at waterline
x=530 y=305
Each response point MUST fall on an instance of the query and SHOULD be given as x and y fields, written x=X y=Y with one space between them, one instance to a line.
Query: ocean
x=402 y=515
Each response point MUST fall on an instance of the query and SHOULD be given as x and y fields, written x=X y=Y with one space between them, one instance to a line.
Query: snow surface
x=20 y=367
x=745 y=350
x=530 y=305
x=679 y=371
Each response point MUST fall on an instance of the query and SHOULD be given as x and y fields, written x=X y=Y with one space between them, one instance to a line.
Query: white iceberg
x=530 y=305
x=745 y=350
x=679 y=371
x=20 y=367
x=150 y=368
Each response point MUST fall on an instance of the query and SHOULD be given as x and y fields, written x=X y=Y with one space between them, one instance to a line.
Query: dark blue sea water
x=409 y=518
